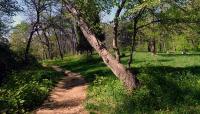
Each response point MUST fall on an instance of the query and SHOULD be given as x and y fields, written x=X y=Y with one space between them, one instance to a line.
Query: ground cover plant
x=169 y=84
x=137 y=56
x=26 y=89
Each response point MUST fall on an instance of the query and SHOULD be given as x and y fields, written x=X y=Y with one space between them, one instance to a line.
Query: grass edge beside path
x=170 y=84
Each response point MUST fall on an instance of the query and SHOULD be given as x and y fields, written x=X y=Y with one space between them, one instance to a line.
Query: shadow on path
x=67 y=97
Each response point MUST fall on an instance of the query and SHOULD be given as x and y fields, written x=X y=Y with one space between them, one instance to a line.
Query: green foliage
x=26 y=89
x=83 y=44
x=137 y=6
x=181 y=43
x=90 y=10
x=171 y=91
x=105 y=93
x=8 y=8
x=18 y=39
x=11 y=60
x=170 y=84
x=8 y=60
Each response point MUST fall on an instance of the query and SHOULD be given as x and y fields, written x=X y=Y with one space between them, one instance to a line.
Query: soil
x=67 y=97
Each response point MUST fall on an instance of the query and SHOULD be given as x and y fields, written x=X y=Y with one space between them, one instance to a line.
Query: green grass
x=170 y=84
x=26 y=89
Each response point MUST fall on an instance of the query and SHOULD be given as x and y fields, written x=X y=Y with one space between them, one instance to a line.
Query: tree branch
x=116 y=24
x=152 y=22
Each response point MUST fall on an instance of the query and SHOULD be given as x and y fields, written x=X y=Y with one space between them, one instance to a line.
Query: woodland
x=135 y=56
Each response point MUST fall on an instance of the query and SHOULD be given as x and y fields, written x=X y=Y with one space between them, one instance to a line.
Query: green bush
x=7 y=60
x=26 y=89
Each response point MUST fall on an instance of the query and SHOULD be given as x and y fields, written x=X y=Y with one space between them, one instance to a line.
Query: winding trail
x=67 y=97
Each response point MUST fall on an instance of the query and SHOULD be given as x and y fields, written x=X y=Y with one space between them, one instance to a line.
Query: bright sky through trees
x=136 y=56
x=17 y=19
x=106 y=18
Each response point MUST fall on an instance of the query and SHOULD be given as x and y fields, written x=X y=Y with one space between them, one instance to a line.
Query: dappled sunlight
x=99 y=56
x=165 y=85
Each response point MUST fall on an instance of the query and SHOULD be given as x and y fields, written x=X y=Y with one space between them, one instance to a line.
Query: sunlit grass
x=170 y=84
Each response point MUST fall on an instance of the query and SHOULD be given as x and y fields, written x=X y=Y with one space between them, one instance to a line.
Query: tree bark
x=116 y=24
x=43 y=45
x=152 y=46
x=58 y=42
x=48 y=44
x=26 y=54
x=160 y=46
x=133 y=45
x=33 y=30
x=135 y=31
x=126 y=76
x=75 y=38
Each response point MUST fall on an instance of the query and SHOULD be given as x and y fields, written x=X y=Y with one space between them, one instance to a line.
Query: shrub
x=26 y=89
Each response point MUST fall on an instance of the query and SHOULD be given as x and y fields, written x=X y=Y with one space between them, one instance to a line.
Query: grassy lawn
x=170 y=84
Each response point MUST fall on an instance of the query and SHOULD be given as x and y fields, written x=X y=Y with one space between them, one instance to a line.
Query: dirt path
x=67 y=97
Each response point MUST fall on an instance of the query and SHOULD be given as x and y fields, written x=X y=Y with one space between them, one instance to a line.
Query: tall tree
x=116 y=24
x=125 y=75
x=93 y=19
x=36 y=7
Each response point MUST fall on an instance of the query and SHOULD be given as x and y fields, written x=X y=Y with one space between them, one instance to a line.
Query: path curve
x=67 y=97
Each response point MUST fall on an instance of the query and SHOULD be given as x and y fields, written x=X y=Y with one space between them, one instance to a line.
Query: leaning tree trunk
x=126 y=76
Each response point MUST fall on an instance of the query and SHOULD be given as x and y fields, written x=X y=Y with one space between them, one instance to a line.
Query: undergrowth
x=169 y=84
x=24 y=90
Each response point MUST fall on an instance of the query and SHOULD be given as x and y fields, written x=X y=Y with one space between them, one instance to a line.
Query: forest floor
x=67 y=97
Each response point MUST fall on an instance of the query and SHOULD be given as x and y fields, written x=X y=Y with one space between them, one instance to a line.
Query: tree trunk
x=115 y=44
x=152 y=46
x=76 y=36
x=116 y=24
x=59 y=46
x=48 y=45
x=164 y=47
x=126 y=76
x=28 y=46
x=33 y=30
x=133 y=45
x=160 y=46
x=135 y=31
